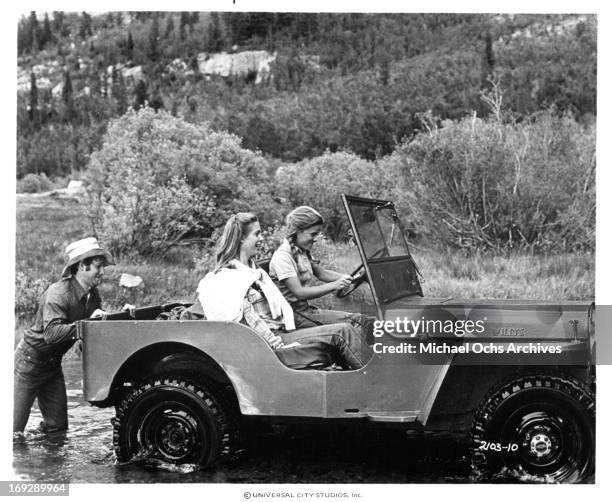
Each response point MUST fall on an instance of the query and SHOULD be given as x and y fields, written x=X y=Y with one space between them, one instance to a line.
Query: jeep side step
x=393 y=417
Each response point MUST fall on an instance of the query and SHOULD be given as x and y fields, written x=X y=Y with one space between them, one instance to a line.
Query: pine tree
x=214 y=41
x=85 y=26
x=140 y=95
x=46 y=35
x=154 y=38
x=67 y=97
x=169 y=26
x=33 y=104
x=24 y=37
x=193 y=20
x=129 y=47
x=183 y=24
x=119 y=93
x=33 y=32
x=489 y=56
x=59 y=24
x=67 y=89
x=488 y=61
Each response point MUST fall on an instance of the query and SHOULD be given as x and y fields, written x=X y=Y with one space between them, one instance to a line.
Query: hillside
x=290 y=85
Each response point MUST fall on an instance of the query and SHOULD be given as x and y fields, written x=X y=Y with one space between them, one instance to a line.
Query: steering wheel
x=359 y=276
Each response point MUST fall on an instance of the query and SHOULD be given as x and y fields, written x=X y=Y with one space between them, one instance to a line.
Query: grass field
x=45 y=225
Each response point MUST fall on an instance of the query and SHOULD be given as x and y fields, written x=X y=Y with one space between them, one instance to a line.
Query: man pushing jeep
x=38 y=357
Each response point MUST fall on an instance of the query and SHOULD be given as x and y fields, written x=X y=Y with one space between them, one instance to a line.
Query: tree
x=24 y=36
x=214 y=42
x=33 y=30
x=156 y=100
x=169 y=26
x=488 y=59
x=85 y=26
x=193 y=20
x=67 y=98
x=140 y=95
x=46 y=36
x=154 y=38
x=119 y=93
x=58 y=23
x=129 y=47
x=184 y=21
x=33 y=104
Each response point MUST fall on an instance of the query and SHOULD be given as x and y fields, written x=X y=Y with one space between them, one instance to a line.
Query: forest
x=481 y=127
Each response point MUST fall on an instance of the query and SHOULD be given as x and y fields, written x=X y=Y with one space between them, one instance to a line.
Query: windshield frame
x=381 y=302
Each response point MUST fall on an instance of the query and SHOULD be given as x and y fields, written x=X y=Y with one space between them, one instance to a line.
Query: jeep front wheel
x=536 y=429
x=172 y=420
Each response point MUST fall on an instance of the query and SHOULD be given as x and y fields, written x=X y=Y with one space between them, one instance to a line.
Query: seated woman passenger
x=238 y=291
x=293 y=268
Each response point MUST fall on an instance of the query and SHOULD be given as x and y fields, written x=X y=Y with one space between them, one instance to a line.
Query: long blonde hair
x=228 y=247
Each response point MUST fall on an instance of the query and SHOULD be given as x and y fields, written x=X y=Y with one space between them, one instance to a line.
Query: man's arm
x=56 y=328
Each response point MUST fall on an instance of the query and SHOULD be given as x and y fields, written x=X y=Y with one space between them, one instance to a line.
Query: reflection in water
x=297 y=454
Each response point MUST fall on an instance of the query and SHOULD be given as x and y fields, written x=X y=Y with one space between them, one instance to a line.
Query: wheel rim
x=172 y=432
x=552 y=444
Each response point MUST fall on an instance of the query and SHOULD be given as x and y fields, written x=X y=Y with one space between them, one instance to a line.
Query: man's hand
x=97 y=314
x=130 y=308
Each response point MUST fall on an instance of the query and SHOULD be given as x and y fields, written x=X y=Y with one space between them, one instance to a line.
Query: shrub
x=34 y=183
x=27 y=295
x=318 y=182
x=486 y=184
x=158 y=180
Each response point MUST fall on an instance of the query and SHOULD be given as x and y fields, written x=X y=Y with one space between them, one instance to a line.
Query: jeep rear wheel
x=536 y=429
x=172 y=420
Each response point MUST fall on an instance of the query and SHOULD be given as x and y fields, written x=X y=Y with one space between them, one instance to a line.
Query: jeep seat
x=193 y=313
x=316 y=355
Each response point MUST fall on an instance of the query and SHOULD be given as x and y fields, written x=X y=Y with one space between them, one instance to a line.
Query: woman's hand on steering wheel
x=359 y=276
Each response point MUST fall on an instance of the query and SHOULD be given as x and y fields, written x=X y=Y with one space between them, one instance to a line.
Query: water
x=296 y=454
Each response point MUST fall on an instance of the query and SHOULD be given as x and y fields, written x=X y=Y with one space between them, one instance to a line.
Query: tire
x=550 y=418
x=173 y=420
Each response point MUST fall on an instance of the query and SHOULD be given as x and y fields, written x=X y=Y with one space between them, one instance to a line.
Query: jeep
x=512 y=380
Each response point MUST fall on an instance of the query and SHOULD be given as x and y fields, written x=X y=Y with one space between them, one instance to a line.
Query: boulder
x=75 y=187
x=130 y=281
x=132 y=74
x=239 y=64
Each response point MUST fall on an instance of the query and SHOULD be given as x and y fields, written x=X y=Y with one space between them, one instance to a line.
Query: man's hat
x=85 y=248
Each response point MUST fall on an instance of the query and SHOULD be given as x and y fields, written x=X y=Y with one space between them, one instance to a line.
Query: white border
x=369 y=492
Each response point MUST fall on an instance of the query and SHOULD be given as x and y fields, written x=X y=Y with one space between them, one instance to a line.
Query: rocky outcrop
x=241 y=64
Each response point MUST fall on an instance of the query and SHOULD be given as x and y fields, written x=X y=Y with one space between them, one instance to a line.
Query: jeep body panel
x=263 y=385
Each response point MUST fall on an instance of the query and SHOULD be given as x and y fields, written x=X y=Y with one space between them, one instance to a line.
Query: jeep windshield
x=390 y=269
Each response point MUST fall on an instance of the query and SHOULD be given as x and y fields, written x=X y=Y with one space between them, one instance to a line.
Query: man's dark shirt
x=64 y=302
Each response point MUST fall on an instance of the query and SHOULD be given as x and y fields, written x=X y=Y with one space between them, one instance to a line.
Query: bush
x=319 y=182
x=27 y=295
x=158 y=180
x=486 y=184
x=34 y=183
